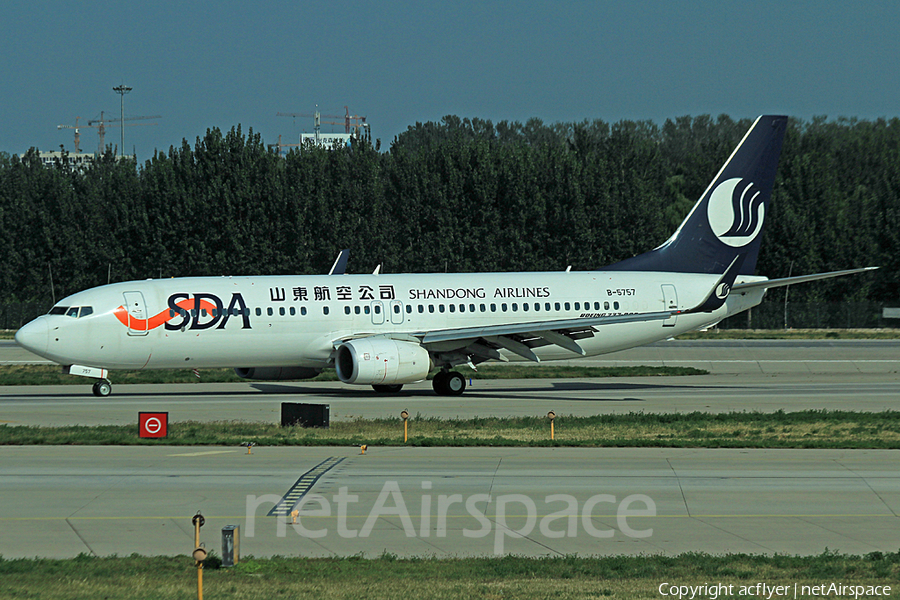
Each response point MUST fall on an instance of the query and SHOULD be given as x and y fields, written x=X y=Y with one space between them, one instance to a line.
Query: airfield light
x=362 y=449
x=199 y=553
x=405 y=416
x=552 y=415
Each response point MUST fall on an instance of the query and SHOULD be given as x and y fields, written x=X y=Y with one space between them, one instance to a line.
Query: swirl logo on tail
x=736 y=212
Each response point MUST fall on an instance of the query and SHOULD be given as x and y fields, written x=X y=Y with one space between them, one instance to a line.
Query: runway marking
x=303 y=485
x=204 y=453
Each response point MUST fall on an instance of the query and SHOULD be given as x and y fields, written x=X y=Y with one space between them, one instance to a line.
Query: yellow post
x=199 y=553
x=405 y=416
x=552 y=415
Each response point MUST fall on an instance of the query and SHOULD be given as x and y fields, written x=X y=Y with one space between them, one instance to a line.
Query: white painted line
x=204 y=453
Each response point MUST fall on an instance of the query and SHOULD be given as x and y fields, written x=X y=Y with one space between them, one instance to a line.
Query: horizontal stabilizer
x=770 y=283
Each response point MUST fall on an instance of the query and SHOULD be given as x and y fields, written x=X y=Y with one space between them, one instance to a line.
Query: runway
x=60 y=501
x=744 y=376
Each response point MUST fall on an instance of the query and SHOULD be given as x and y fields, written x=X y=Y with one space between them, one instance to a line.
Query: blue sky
x=203 y=65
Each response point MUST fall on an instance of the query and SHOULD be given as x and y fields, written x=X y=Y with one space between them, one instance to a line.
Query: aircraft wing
x=520 y=338
x=770 y=283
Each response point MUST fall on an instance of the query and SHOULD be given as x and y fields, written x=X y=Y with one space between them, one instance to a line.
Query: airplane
x=389 y=330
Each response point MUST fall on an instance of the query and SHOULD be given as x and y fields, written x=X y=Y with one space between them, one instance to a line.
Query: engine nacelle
x=381 y=361
x=276 y=373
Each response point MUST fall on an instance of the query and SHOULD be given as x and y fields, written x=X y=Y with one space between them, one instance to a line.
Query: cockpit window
x=72 y=311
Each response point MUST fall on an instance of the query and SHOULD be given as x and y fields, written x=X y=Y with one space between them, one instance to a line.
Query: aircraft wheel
x=102 y=389
x=439 y=383
x=456 y=384
x=387 y=389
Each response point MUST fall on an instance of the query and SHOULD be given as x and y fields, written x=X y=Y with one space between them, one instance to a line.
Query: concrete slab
x=57 y=501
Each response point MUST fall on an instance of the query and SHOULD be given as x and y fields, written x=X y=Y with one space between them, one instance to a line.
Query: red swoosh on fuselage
x=158 y=319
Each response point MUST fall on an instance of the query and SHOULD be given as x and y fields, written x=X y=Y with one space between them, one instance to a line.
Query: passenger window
x=547 y=306
x=567 y=306
x=503 y=307
x=440 y=308
x=431 y=308
x=269 y=311
x=324 y=310
x=346 y=310
x=616 y=305
x=303 y=310
x=409 y=309
x=556 y=306
x=493 y=308
x=281 y=311
x=396 y=309
x=377 y=309
x=515 y=306
x=472 y=308
x=483 y=308
x=606 y=306
x=366 y=309
x=293 y=311
x=258 y=312
x=421 y=309
x=525 y=306
x=537 y=306
x=577 y=306
x=452 y=308
x=356 y=309
x=171 y=314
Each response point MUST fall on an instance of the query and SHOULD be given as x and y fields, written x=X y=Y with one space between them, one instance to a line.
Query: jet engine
x=381 y=361
x=276 y=373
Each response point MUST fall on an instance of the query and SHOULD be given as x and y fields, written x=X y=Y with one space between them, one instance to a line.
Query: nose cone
x=34 y=336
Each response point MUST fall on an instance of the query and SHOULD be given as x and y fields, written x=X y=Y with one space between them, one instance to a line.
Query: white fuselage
x=280 y=321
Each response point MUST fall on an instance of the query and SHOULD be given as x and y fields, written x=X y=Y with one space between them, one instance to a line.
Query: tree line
x=451 y=196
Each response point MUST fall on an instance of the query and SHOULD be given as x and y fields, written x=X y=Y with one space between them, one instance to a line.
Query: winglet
x=340 y=263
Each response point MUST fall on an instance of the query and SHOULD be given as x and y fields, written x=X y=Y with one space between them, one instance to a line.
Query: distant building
x=326 y=140
x=76 y=162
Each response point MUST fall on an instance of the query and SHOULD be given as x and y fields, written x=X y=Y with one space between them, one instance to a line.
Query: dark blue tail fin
x=727 y=221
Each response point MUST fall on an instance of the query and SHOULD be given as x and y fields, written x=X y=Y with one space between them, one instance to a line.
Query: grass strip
x=802 y=429
x=52 y=375
x=388 y=577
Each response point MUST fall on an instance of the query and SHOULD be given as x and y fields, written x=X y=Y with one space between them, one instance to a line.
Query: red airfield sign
x=153 y=424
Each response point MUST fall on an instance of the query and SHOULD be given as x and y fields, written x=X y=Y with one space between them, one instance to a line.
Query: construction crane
x=350 y=122
x=102 y=124
x=77 y=134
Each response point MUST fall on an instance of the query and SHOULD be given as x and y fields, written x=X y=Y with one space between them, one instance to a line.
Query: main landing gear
x=449 y=383
x=102 y=388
